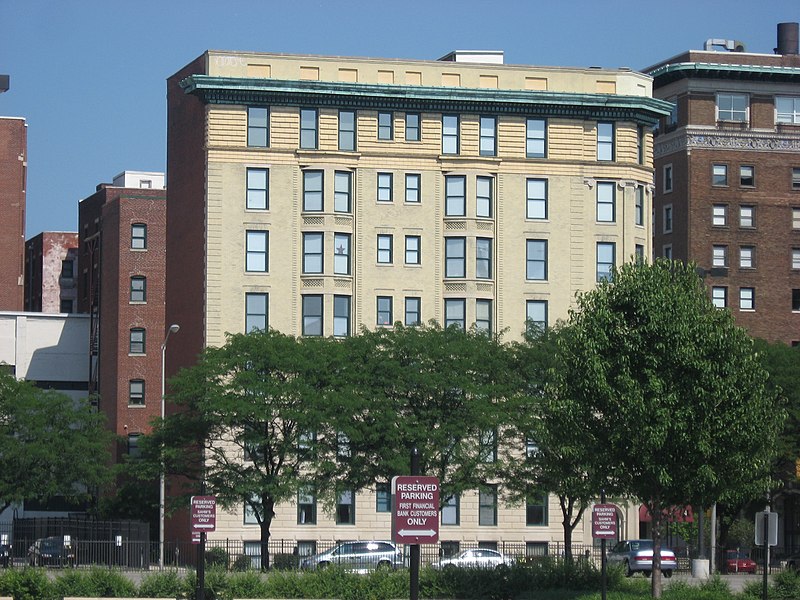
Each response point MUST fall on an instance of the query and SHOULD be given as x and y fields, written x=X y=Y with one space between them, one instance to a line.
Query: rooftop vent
x=729 y=45
x=788 y=36
x=492 y=57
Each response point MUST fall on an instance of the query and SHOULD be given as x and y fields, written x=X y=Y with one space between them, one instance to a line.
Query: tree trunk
x=267 y=505
x=657 y=514
x=566 y=522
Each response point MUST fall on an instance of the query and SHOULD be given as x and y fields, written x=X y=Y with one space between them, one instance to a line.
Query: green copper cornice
x=234 y=90
x=688 y=70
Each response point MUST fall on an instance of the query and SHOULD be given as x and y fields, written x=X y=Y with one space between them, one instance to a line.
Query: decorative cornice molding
x=751 y=141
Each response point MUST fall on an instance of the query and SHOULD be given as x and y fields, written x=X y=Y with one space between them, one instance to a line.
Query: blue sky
x=89 y=75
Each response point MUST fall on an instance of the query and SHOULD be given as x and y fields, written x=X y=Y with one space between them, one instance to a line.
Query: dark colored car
x=52 y=551
x=637 y=556
x=738 y=562
x=358 y=556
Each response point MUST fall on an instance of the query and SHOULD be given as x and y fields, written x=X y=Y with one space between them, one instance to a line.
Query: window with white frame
x=257 y=126
x=384 y=310
x=747 y=216
x=385 y=243
x=413 y=311
x=747 y=176
x=536 y=260
x=787 y=109
x=385 y=187
x=667 y=179
x=719 y=296
x=257 y=189
x=385 y=126
x=450 y=141
x=795 y=258
x=488 y=136
x=483 y=197
x=137 y=341
x=747 y=257
x=256 y=311
x=413 y=250
x=341 y=253
x=732 y=107
x=412 y=127
x=455 y=310
x=535 y=138
x=747 y=298
x=308 y=129
x=605 y=141
x=257 y=252
x=606 y=193
x=536 y=314
x=483 y=258
x=138 y=289
x=719 y=175
x=413 y=185
x=136 y=392
x=795 y=218
x=719 y=256
x=483 y=315
x=312 y=252
x=455 y=255
x=719 y=215
x=341 y=316
x=455 y=202
x=312 y=315
x=668 y=218
x=139 y=236
x=312 y=191
x=536 y=198
x=347 y=130
x=638 y=207
x=343 y=191
x=606 y=252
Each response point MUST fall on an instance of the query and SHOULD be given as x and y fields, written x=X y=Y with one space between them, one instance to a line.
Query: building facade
x=121 y=286
x=727 y=172
x=51 y=272
x=13 y=174
x=316 y=195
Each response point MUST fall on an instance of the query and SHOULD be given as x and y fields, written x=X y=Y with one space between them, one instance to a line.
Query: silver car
x=636 y=556
x=477 y=558
x=358 y=556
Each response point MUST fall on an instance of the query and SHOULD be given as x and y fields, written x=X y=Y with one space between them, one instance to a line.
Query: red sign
x=204 y=513
x=415 y=509
x=604 y=522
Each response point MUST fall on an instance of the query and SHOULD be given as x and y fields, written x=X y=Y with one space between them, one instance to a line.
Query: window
x=347 y=130
x=787 y=110
x=605 y=141
x=384 y=187
x=483 y=197
x=795 y=300
x=137 y=341
x=536 y=314
x=487 y=446
x=455 y=257
x=536 y=260
x=487 y=505
x=133 y=445
x=795 y=258
x=384 y=249
x=312 y=315
x=346 y=508
x=719 y=215
x=488 y=136
x=535 y=138
x=312 y=252
x=536 y=201
x=413 y=312
x=666 y=251
x=341 y=316
x=138 y=289
x=412 y=127
x=719 y=296
x=638 y=253
x=455 y=312
x=138 y=236
x=256 y=316
x=747 y=298
x=747 y=216
x=384 y=310
x=483 y=315
x=606 y=201
x=306 y=507
x=719 y=175
x=732 y=107
x=640 y=141
x=483 y=258
x=256 y=252
x=413 y=184
x=412 y=250
x=450 y=134
x=342 y=191
x=455 y=196
x=795 y=178
x=308 y=128
x=136 y=392
x=341 y=253
x=451 y=511
x=257 y=126
x=795 y=218
x=605 y=259
x=672 y=119
x=252 y=511
x=719 y=256
x=385 y=126
x=638 y=207
x=668 y=218
x=536 y=508
x=747 y=176
x=667 y=178
x=257 y=189
x=747 y=257
x=312 y=191
x=383 y=497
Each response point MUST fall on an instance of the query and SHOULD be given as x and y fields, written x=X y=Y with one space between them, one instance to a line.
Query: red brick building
x=727 y=177
x=13 y=169
x=121 y=284
x=51 y=272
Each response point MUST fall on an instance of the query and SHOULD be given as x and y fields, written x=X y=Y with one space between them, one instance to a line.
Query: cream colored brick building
x=317 y=195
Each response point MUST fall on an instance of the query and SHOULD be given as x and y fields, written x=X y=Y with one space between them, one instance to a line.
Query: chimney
x=788 y=38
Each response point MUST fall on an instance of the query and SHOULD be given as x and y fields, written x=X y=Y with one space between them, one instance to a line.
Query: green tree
x=50 y=444
x=258 y=409
x=670 y=389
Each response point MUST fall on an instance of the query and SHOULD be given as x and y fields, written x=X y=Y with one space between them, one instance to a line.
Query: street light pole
x=174 y=328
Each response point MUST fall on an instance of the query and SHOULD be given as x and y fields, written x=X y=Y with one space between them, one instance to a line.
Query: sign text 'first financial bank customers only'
x=415 y=509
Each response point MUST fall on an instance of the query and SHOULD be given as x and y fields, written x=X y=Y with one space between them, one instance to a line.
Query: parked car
x=53 y=551
x=480 y=558
x=636 y=556
x=358 y=556
x=737 y=561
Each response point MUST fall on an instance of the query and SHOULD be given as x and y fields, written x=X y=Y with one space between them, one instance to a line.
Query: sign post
x=766 y=535
x=204 y=519
x=604 y=527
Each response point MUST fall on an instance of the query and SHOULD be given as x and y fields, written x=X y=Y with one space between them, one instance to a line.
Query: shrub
x=284 y=561
x=27 y=584
x=785 y=585
x=247 y=585
x=217 y=557
x=97 y=582
x=166 y=584
x=216 y=584
x=242 y=563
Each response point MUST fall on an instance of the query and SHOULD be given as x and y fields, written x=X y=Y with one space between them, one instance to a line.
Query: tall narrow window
x=487 y=505
x=638 y=208
x=413 y=250
x=455 y=312
x=385 y=248
x=605 y=259
x=341 y=253
x=536 y=200
x=668 y=218
x=488 y=136
x=536 y=508
x=137 y=341
x=413 y=312
x=312 y=315
x=342 y=191
x=640 y=140
x=257 y=126
x=257 y=189
x=312 y=191
x=667 y=179
x=536 y=314
x=483 y=197
x=412 y=127
x=383 y=497
x=385 y=187
x=308 y=128
x=455 y=196
x=136 y=392
x=139 y=236
x=535 y=138
x=384 y=310
x=536 y=260
x=795 y=258
x=256 y=308
x=483 y=318
x=306 y=507
x=385 y=126
x=606 y=202
x=450 y=141
x=257 y=252
x=341 y=316
x=312 y=252
x=483 y=258
x=413 y=187
x=138 y=289
x=450 y=511
x=605 y=141
x=347 y=130
x=455 y=250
